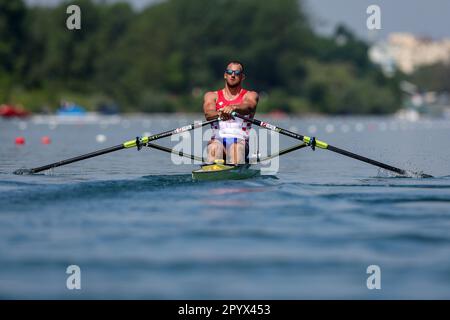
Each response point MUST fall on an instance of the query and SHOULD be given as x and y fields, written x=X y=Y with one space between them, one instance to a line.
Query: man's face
x=235 y=78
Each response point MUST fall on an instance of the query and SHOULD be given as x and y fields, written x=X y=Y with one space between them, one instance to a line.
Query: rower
x=230 y=136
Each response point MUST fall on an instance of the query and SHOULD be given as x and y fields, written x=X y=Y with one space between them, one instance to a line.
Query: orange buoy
x=20 y=140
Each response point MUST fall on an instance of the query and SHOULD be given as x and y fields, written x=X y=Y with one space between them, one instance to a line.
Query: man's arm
x=209 y=105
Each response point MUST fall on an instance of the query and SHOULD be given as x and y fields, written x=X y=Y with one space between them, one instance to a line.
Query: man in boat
x=230 y=136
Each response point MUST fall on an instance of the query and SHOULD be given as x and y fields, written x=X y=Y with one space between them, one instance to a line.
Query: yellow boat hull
x=216 y=171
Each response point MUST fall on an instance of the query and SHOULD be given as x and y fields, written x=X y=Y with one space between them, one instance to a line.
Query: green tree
x=12 y=35
x=167 y=55
x=434 y=77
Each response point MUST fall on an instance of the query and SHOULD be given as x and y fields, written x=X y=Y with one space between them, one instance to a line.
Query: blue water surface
x=139 y=227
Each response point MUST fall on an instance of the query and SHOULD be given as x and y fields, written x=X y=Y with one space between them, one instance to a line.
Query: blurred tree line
x=166 y=56
x=435 y=77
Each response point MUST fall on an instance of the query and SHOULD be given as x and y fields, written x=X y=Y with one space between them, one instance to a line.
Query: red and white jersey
x=233 y=128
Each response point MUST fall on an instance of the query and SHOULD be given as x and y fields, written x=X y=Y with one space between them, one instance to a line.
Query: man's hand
x=225 y=112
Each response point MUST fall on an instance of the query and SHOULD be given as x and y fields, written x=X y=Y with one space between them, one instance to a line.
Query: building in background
x=406 y=52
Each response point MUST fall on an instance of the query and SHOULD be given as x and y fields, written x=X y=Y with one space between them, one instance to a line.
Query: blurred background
x=304 y=57
x=136 y=223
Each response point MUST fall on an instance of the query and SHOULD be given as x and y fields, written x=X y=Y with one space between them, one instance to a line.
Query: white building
x=406 y=52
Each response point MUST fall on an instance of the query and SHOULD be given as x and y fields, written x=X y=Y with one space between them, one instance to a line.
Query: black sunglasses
x=236 y=72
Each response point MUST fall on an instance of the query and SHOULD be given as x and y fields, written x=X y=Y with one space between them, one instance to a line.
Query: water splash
x=23 y=171
x=382 y=173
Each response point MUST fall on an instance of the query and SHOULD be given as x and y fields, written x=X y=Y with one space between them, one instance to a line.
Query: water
x=138 y=227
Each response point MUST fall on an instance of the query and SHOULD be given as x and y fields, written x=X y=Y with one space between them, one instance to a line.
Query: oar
x=138 y=142
x=282 y=152
x=323 y=145
x=178 y=153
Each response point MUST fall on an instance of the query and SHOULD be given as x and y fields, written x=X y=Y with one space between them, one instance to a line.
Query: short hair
x=237 y=62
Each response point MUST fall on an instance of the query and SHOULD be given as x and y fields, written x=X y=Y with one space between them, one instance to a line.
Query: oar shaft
x=125 y=145
x=78 y=158
x=282 y=152
x=367 y=160
x=143 y=140
x=178 y=153
x=320 y=144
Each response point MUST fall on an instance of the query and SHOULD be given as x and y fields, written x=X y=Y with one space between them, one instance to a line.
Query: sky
x=425 y=18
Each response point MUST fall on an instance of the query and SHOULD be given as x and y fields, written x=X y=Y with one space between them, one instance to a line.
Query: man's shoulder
x=210 y=95
x=252 y=94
